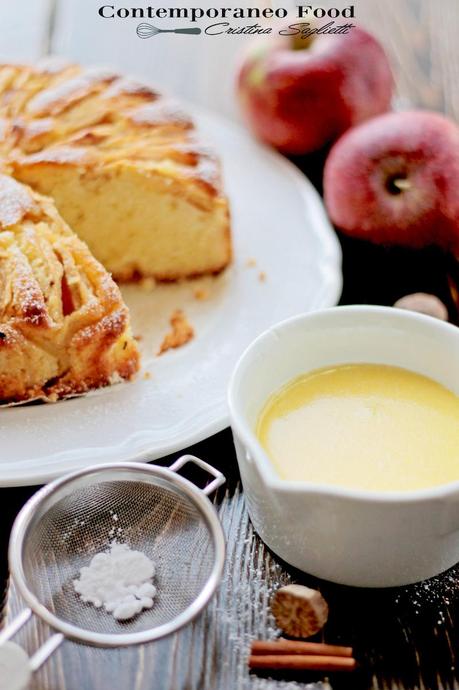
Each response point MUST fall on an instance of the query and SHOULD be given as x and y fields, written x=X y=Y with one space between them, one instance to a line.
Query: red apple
x=301 y=94
x=395 y=180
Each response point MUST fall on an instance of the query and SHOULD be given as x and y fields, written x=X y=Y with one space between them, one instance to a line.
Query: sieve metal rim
x=24 y=519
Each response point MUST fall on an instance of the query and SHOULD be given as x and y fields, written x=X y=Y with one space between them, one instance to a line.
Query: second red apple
x=395 y=180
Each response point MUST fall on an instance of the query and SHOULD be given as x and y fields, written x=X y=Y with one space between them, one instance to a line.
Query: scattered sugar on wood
x=181 y=332
x=438 y=590
x=435 y=595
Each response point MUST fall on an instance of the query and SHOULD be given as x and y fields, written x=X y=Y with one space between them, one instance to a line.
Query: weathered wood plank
x=187 y=66
x=25 y=29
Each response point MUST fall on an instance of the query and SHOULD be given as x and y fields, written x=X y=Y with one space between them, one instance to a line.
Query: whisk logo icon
x=145 y=30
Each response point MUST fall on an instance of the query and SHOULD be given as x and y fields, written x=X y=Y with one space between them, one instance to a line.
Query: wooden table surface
x=404 y=638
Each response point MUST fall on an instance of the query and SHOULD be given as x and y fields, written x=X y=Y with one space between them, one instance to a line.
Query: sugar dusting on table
x=119 y=580
x=240 y=611
x=438 y=592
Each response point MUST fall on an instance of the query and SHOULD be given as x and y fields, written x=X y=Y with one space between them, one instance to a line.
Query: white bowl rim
x=259 y=456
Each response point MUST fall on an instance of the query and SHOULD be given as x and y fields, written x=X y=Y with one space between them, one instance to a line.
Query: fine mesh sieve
x=150 y=508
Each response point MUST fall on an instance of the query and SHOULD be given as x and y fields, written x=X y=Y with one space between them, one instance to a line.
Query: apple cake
x=124 y=166
x=64 y=328
x=98 y=175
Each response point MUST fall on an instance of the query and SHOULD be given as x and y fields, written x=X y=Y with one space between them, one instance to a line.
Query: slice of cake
x=64 y=328
x=124 y=166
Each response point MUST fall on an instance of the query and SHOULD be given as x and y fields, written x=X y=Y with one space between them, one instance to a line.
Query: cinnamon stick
x=281 y=646
x=299 y=662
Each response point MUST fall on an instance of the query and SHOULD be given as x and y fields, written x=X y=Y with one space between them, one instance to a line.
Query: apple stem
x=402 y=184
x=300 y=42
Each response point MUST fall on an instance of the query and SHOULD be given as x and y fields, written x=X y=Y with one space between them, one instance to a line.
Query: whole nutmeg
x=299 y=611
x=423 y=303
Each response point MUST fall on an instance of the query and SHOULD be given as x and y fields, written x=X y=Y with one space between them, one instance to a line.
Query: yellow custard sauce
x=363 y=426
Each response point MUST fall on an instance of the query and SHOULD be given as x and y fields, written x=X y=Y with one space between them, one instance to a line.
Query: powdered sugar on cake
x=119 y=580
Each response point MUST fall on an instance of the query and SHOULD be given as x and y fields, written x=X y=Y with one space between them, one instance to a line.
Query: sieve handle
x=219 y=477
x=16 y=624
x=45 y=651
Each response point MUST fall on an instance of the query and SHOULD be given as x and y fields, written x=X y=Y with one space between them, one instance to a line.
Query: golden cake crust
x=98 y=127
x=63 y=326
